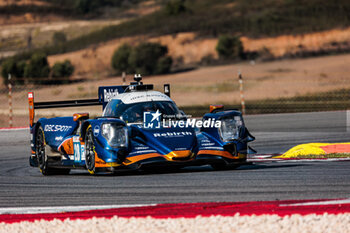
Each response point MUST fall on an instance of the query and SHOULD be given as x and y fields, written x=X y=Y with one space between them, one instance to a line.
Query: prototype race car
x=139 y=128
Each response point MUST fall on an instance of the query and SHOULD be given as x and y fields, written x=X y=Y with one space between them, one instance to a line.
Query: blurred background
x=293 y=55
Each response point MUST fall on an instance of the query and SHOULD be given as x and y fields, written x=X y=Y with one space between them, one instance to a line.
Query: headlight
x=231 y=127
x=115 y=134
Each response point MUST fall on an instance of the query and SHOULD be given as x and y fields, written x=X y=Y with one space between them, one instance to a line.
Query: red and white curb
x=179 y=210
x=13 y=128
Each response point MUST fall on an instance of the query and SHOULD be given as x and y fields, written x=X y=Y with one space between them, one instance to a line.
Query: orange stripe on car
x=218 y=152
x=66 y=147
x=130 y=160
x=178 y=154
x=174 y=154
x=137 y=158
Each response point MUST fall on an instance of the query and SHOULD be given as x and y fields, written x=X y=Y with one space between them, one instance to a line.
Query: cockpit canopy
x=133 y=112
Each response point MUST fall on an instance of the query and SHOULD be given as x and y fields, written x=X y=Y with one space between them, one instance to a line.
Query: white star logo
x=155 y=115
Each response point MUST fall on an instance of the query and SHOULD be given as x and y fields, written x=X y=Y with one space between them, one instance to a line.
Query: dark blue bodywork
x=182 y=146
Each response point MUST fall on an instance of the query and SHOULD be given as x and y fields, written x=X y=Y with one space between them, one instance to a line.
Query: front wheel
x=89 y=151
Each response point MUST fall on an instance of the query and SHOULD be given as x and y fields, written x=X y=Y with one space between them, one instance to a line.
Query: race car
x=139 y=129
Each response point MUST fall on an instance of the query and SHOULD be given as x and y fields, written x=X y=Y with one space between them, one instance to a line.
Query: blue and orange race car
x=139 y=128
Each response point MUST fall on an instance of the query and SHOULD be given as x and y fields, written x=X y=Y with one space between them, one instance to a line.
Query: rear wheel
x=89 y=151
x=42 y=157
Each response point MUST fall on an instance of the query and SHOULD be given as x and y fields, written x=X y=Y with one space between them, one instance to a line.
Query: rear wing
x=105 y=94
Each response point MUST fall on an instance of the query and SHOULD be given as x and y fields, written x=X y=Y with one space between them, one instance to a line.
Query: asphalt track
x=21 y=185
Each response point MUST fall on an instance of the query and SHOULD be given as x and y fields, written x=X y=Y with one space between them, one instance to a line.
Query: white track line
x=333 y=202
x=60 y=209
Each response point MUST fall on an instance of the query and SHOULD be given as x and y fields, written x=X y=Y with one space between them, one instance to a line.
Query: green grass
x=327 y=101
x=212 y=18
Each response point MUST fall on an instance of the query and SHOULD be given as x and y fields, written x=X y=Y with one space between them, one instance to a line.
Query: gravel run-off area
x=264 y=223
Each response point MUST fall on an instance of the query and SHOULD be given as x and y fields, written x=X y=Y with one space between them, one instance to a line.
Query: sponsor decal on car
x=60 y=138
x=137 y=97
x=96 y=130
x=148 y=95
x=142 y=148
x=208 y=144
x=110 y=94
x=79 y=150
x=57 y=128
x=173 y=134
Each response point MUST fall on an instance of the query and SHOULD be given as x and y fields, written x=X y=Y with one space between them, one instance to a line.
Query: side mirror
x=80 y=116
x=214 y=108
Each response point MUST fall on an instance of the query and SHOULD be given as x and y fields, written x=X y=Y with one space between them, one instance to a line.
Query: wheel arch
x=83 y=129
x=35 y=130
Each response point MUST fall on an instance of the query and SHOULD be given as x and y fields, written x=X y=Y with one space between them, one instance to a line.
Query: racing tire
x=42 y=157
x=89 y=151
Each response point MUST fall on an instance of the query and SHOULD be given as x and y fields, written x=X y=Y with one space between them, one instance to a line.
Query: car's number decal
x=79 y=150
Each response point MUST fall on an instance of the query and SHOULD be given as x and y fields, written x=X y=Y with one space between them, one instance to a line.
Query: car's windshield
x=132 y=113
